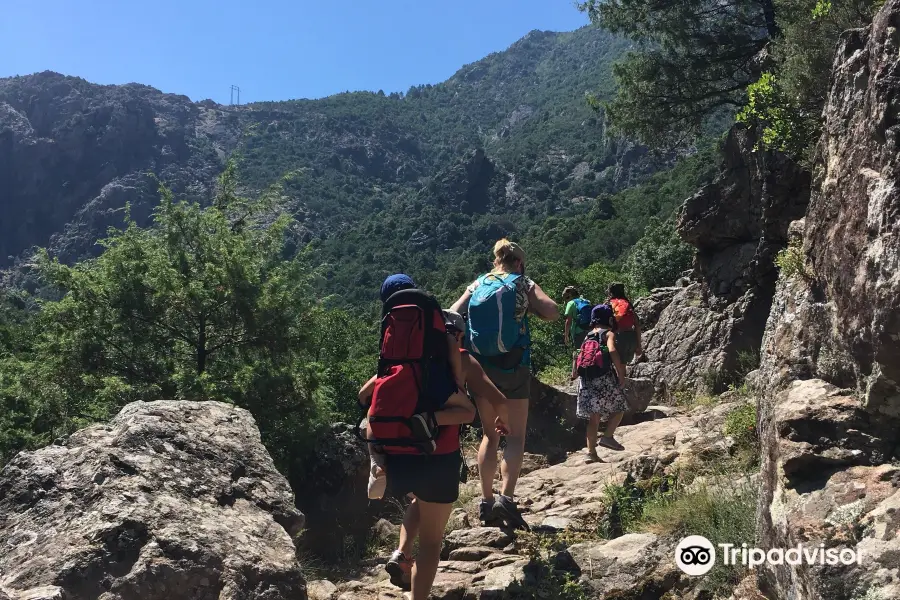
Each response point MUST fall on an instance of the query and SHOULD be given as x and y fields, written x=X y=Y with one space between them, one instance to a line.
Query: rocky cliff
x=72 y=154
x=169 y=501
x=831 y=352
x=698 y=332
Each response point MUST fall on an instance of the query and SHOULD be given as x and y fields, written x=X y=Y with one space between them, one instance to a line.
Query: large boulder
x=738 y=224
x=829 y=477
x=172 y=500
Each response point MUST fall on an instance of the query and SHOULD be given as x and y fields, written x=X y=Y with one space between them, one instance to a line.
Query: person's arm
x=482 y=387
x=455 y=359
x=542 y=305
x=614 y=355
x=366 y=391
x=568 y=330
x=458 y=410
x=462 y=305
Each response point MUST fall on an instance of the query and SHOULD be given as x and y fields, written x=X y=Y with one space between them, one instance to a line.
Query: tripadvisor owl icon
x=695 y=555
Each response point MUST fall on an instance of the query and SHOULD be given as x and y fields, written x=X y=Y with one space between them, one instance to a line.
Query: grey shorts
x=626 y=345
x=514 y=385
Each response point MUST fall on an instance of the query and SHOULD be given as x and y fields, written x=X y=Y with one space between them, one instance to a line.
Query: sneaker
x=399 y=567
x=611 y=443
x=421 y=429
x=485 y=514
x=504 y=508
x=377 y=482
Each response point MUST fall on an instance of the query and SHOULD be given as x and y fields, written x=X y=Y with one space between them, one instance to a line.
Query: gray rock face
x=738 y=224
x=72 y=153
x=170 y=500
x=824 y=481
x=829 y=473
x=649 y=308
x=844 y=323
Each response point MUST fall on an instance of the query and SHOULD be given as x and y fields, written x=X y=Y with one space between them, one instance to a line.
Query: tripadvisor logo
x=695 y=555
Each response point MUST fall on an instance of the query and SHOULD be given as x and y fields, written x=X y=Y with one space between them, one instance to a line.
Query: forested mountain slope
x=378 y=182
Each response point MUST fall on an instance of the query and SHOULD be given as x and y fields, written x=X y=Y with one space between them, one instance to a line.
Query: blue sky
x=272 y=49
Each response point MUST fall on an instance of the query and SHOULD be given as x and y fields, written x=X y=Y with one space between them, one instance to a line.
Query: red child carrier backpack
x=411 y=365
x=624 y=313
x=593 y=357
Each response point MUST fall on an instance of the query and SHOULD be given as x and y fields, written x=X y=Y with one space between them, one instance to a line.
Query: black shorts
x=431 y=478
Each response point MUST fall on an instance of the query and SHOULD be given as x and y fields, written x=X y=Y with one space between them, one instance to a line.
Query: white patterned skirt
x=600 y=395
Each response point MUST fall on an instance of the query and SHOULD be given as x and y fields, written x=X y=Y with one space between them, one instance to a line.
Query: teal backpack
x=493 y=329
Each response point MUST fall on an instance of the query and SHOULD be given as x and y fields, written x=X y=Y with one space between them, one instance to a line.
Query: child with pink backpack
x=601 y=377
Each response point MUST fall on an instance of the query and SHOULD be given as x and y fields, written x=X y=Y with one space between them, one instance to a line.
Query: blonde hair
x=506 y=255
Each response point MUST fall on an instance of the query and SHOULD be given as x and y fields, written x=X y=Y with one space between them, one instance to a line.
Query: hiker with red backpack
x=601 y=377
x=377 y=477
x=628 y=336
x=498 y=336
x=412 y=426
x=578 y=316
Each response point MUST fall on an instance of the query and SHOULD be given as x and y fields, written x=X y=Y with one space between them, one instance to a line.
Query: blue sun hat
x=396 y=283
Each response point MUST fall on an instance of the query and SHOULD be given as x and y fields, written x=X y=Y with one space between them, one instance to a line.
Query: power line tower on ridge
x=234 y=89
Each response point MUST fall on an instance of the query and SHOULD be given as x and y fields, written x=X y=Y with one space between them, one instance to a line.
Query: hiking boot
x=486 y=514
x=399 y=567
x=421 y=427
x=506 y=510
x=611 y=443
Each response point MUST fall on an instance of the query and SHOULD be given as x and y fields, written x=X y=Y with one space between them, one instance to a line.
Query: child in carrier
x=601 y=376
x=451 y=378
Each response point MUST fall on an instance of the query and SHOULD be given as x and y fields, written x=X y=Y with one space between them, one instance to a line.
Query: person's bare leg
x=613 y=423
x=487 y=451
x=515 y=445
x=409 y=529
x=432 y=521
x=592 y=427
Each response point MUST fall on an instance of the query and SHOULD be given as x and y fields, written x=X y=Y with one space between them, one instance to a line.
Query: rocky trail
x=568 y=502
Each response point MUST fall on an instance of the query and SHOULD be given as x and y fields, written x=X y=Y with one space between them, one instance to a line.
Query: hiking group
x=431 y=361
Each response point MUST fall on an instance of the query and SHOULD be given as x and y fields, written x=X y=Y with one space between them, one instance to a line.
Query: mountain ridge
x=76 y=153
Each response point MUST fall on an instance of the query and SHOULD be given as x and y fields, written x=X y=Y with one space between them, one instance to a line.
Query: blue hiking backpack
x=583 y=312
x=493 y=329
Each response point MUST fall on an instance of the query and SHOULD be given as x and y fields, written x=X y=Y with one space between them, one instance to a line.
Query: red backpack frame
x=412 y=339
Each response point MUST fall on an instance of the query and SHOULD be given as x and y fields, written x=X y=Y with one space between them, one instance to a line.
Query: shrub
x=791 y=262
x=723 y=514
x=740 y=424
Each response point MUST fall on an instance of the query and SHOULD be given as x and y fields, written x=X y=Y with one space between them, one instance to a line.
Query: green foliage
x=660 y=257
x=692 y=60
x=722 y=513
x=782 y=124
x=791 y=261
x=768 y=59
x=747 y=361
x=205 y=305
x=740 y=424
x=625 y=503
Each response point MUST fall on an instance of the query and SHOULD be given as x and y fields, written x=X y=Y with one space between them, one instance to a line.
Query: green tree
x=201 y=306
x=693 y=58
x=699 y=58
x=786 y=103
x=658 y=258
